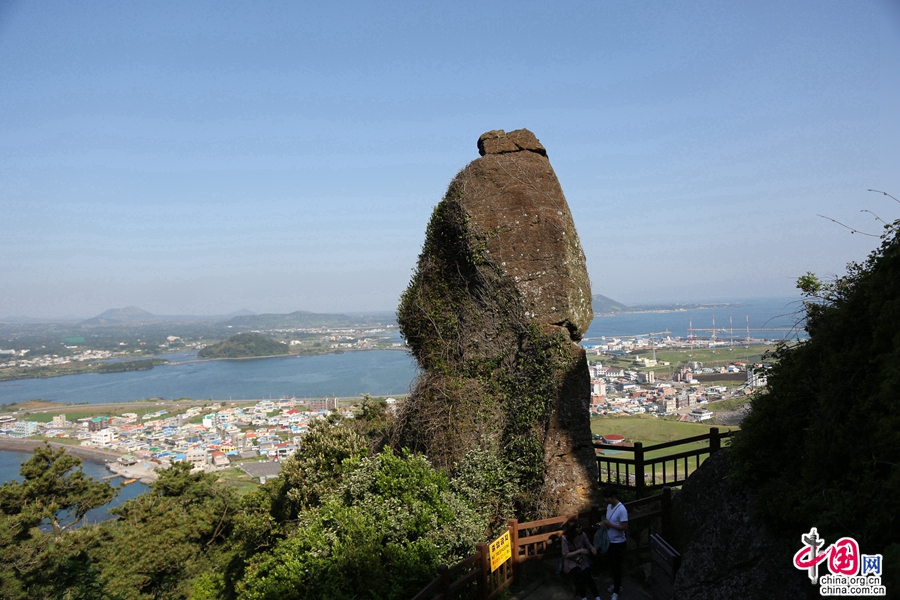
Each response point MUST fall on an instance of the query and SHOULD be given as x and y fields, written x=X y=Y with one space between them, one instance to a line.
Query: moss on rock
x=499 y=297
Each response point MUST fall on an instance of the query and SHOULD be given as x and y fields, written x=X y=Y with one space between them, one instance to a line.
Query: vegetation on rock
x=499 y=295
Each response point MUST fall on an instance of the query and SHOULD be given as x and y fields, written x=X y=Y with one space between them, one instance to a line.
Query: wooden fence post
x=715 y=442
x=442 y=571
x=639 y=482
x=666 y=510
x=513 y=526
x=484 y=570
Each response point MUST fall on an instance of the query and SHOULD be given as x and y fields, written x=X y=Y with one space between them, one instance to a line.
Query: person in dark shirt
x=575 y=550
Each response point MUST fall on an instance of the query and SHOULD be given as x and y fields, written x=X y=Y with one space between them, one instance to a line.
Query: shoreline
x=648 y=311
x=169 y=363
x=105 y=458
x=289 y=355
x=175 y=404
x=94 y=455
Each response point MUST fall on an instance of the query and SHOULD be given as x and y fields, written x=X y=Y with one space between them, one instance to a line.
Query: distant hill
x=132 y=315
x=300 y=318
x=603 y=305
x=129 y=314
x=244 y=345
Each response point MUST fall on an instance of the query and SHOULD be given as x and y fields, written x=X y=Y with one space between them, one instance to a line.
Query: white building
x=197 y=457
x=701 y=413
x=755 y=379
x=103 y=437
x=25 y=428
x=211 y=420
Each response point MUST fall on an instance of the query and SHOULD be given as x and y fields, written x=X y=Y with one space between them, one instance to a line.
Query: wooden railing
x=643 y=474
x=472 y=578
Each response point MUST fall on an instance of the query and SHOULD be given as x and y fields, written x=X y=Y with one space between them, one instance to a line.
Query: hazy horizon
x=74 y=317
x=198 y=159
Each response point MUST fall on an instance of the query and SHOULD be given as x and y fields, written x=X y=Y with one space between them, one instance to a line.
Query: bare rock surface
x=515 y=202
x=500 y=297
x=726 y=552
x=498 y=142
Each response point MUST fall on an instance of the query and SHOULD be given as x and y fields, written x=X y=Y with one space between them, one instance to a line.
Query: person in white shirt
x=616 y=522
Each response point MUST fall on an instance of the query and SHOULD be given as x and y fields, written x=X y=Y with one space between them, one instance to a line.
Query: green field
x=650 y=431
x=731 y=404
x=240 y=481
x=677 y=357
x=72 y=415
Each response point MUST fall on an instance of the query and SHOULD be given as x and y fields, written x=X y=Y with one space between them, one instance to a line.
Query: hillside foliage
x=821 y=445
x=244 y=345
x=347 y=518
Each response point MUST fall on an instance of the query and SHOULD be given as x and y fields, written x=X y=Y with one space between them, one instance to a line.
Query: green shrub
x=821 y=445
x=380 y=534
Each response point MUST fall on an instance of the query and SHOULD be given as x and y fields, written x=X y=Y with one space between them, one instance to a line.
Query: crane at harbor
x=730 y=330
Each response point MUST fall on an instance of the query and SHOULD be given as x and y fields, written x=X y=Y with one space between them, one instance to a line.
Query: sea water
x=10 y=462
x=376 y=372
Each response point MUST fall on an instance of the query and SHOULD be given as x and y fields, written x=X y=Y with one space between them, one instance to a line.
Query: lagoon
x=376 y=372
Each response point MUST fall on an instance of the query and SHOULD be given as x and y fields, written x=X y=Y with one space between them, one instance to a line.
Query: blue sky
x=200 y=158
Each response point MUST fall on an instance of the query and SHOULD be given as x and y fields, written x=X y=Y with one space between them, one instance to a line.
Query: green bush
x=821 y=445
x=381 y=534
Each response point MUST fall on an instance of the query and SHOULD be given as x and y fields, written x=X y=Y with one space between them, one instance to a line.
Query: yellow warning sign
x=500 y=551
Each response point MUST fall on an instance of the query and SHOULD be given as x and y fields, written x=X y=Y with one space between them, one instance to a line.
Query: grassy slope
x=650 y=431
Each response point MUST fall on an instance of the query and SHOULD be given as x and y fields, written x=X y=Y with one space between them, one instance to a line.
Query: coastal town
x=211 y=437
x=617 y=391
x=655 y=376
x=627 y=378
x=215 y=436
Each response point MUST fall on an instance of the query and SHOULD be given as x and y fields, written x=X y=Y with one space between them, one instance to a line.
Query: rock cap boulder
x=498 y=141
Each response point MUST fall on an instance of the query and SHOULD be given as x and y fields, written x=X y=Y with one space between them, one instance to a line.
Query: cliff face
x=727 y=551
x=500 y=296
